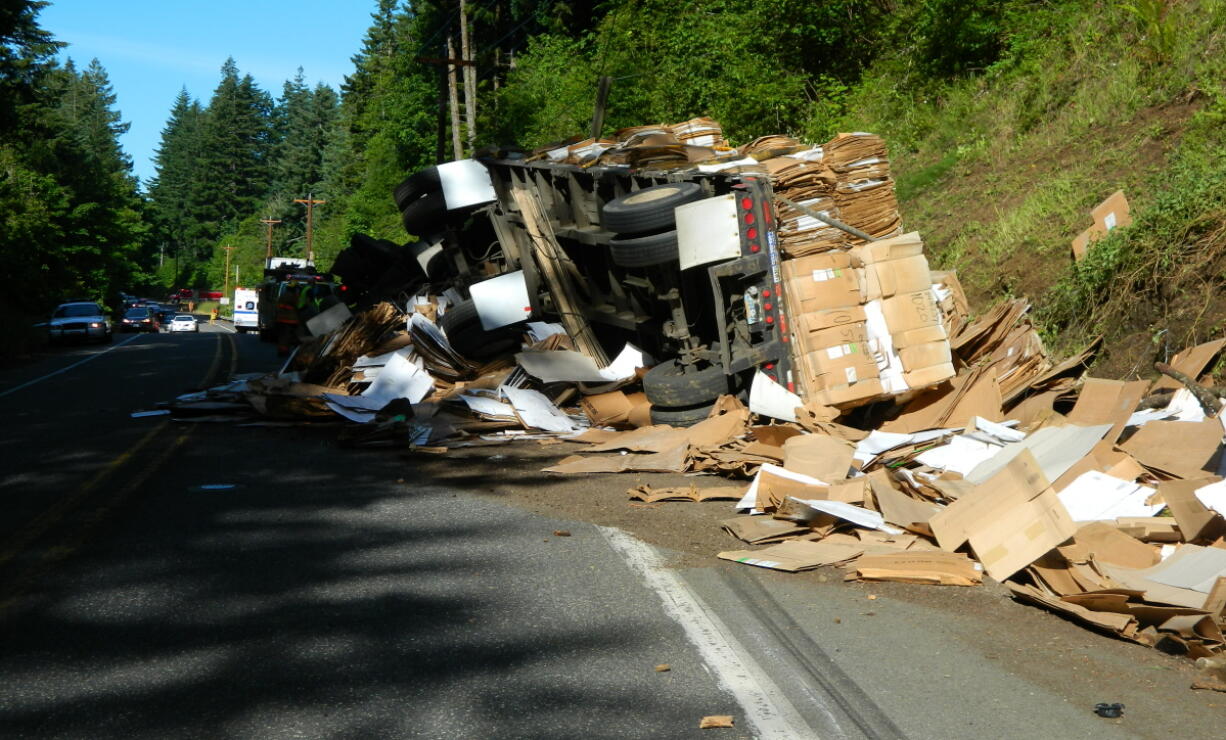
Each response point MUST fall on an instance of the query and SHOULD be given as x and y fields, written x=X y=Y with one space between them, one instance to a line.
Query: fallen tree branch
x=1208 y=401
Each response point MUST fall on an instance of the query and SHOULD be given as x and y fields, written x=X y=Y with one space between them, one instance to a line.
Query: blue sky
x=152 y=48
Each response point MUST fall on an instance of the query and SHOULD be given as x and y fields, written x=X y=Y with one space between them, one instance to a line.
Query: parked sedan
x=183 y=322
x=141 y=318
x=79 y=320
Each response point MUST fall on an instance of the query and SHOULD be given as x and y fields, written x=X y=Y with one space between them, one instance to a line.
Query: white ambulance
x=246 y=310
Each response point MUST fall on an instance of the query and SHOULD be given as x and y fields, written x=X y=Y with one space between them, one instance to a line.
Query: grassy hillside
x=999 y=170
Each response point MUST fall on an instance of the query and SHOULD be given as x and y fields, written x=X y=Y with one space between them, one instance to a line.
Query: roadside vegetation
x=1007 y=122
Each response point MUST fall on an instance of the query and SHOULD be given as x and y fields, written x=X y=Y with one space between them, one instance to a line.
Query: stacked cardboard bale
x=864 y=192
x=865 y=322
x=700 y=131
x=865 y=318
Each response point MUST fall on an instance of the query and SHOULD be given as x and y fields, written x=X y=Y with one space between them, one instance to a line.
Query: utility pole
x=453 y=94
x=310 y=204
x=447 y=89
x=268 y=223
x=470 y=80
x=226 y=290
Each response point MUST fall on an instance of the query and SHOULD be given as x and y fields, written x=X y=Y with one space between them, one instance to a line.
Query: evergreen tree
x=174 y=190
x=236 y=139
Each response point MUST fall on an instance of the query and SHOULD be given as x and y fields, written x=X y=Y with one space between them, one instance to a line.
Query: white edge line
x=766 y=708
x=94 y=356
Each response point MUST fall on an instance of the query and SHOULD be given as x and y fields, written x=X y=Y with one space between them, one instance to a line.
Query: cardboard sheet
x=758 y=530
x=673 y=460
x=692 y=493
x=1180 y=448
x=1196 y=520
x=930 y=567
x=1107 y=402
x=796 y=555
x=779 y=478
x=819 y=456
x=1010 y=520
x=1191 y=362
x=1120 y=624
x=1107 y=544
x=897 y=507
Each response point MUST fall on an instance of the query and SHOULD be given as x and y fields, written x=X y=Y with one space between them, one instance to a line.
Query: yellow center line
x=50 y=517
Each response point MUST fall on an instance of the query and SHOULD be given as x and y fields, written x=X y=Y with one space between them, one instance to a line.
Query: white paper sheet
x=488 y=406
x=1096 y=496
x=878 y=442
x=990 y=431
x=1192 y=567
x=566 y=366
x=1055 y=449
x=537 y=411
x=857 y=515
x=751 y=494
x=1183 y=406
x=769 y=398
x=400 y=378
x=961 y=455
x=1213 y=496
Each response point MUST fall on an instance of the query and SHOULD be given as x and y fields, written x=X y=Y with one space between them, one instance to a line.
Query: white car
x=79 y=320
x=184 y=322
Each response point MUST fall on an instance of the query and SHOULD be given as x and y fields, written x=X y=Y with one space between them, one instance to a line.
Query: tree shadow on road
x=320 y=598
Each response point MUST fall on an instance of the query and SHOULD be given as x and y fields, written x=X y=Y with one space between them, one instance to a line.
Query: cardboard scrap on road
x=937 y=568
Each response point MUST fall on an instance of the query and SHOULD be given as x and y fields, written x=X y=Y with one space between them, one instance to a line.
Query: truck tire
x=416 y=185
x=466 y=335
x=680 y=417
x=424 y=214
x=649 y=209
x=671 y=385
x=644 y=251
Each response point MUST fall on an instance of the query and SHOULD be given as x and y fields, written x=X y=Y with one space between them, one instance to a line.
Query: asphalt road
x=161 y=579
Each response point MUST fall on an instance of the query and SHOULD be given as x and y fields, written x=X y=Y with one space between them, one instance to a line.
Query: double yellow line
x=46 y=521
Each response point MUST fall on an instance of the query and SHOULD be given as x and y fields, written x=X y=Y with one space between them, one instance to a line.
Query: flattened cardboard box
x=832 y=337
x=849 y=395
x=819 y=282
x=919 y=356
x=887 y=279
x=1112 y=212
x=927 y=376
x=835 y=359
x=911 y=311
x=926 y=335
x=815 y=321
